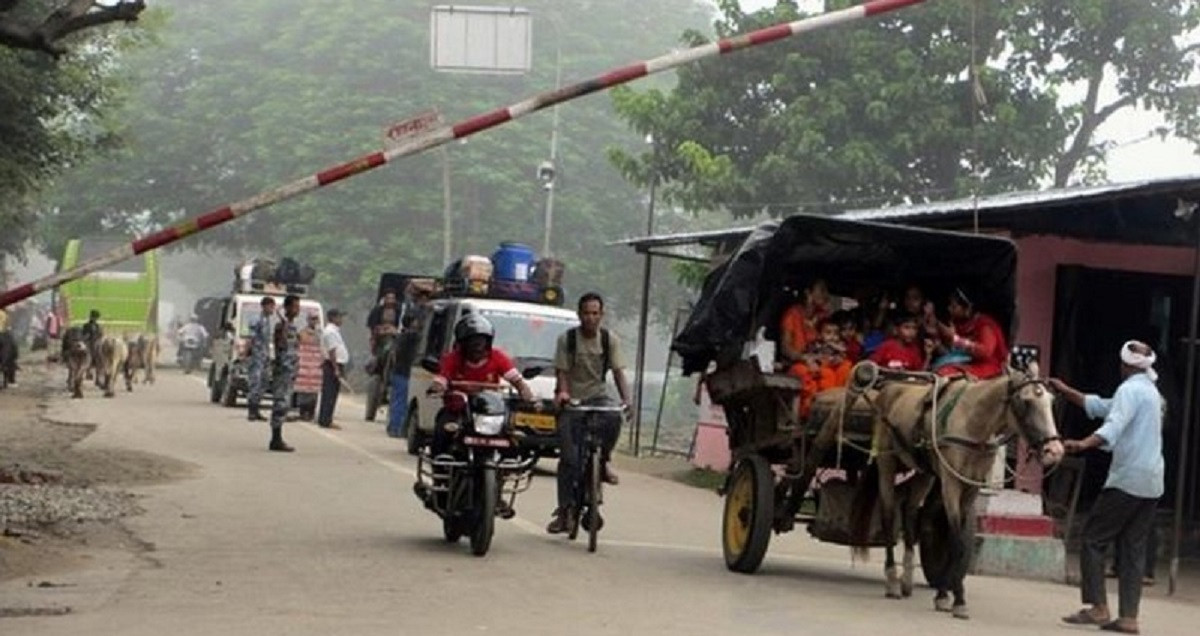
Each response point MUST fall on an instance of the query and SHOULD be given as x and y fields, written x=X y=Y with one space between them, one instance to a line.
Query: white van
x=525 y=331
x=227 y=377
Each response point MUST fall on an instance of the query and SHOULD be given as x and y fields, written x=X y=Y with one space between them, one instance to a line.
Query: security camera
x=545 y=172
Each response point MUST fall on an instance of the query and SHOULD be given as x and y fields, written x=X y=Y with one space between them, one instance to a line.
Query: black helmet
x=473 y=325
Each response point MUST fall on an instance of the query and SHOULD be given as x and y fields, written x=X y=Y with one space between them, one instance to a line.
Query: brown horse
x=947 y=429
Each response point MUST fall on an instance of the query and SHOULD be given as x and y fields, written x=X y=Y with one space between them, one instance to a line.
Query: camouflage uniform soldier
x=260 y=338
x=287 y=360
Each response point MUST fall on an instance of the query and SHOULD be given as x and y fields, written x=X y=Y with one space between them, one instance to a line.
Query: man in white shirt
x=333 y=366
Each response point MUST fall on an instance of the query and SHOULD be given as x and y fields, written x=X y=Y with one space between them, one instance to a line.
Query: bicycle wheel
x=593 y=497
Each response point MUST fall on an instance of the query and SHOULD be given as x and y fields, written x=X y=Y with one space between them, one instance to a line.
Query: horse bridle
x=1021 y=410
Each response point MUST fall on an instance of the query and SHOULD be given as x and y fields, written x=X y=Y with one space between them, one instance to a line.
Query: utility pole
x=549 y=182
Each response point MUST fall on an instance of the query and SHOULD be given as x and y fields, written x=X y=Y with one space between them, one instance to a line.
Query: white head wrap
x=1139 y=361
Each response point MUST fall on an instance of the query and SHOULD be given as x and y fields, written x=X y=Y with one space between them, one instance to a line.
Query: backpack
x=605 y=346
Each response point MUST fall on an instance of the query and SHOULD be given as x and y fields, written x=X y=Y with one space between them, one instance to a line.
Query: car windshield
x=528 y=335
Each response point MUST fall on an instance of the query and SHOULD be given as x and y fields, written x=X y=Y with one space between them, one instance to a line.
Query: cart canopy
x=763 y=276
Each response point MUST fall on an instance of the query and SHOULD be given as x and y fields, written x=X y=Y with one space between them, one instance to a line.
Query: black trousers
x=1117 y=517
x=330 y=388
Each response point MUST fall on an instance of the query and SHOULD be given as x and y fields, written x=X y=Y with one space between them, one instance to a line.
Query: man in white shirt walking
x=333 y=366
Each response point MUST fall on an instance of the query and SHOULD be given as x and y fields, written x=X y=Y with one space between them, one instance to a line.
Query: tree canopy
x=244 y=95
x=932 y=102
x=53 y=114
x=44 y=26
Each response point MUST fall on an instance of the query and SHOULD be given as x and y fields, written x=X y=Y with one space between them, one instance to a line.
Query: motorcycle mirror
x=430 y=364
x=530 y=373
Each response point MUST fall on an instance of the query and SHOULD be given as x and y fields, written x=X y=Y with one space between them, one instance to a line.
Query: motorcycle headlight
x=489 y=424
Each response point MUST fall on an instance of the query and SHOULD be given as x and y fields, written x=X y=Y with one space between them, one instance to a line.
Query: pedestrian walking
x=1124 y=511
x=333 y=366
x=287 y=359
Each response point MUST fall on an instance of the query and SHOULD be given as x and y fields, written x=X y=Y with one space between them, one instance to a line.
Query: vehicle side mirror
x=430 y=364
x=530 y=373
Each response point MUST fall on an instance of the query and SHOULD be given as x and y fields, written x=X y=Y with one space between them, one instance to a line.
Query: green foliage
x=55 y=114
x=247 y=95
x=931 y=103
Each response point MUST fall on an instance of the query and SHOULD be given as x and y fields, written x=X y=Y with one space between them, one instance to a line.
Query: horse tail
x=862 y=508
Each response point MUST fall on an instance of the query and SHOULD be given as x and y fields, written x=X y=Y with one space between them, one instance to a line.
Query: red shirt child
x=901 y=352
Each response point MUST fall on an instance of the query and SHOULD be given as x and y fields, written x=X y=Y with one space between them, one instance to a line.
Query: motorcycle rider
x=261 y=331
x=474 y=359
x=193 y=335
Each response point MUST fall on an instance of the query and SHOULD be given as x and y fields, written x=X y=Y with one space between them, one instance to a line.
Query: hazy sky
x=1147 y=159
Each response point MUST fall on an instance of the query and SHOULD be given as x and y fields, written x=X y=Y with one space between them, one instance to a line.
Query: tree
x=54 y=115
x=936 y=101
x=23 y=27
x=245 y=95
x=1137 y=47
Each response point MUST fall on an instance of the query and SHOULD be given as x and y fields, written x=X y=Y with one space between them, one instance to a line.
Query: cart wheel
x=749 y=506
x=372 y=397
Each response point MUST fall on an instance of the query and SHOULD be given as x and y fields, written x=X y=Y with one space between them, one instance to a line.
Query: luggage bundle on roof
x=265 y=276
x=512 y=273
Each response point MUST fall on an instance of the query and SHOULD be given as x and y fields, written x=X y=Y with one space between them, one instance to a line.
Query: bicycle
x=588 y=493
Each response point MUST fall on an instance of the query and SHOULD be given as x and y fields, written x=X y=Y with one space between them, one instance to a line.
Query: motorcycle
x=190 y=353
x=481 y=472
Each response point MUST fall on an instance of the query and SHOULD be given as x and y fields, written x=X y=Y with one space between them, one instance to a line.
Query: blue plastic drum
x=513 y=261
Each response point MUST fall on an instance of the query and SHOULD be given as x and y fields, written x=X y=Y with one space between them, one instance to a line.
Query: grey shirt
x=586 y=373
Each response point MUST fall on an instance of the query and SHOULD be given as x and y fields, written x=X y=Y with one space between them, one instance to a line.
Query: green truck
x=125 y=294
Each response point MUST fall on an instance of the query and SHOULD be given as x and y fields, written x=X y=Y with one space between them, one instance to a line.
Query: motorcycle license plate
x=491 y=442
x=538 y=421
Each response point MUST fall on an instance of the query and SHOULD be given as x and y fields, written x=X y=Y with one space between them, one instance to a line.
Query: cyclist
x=582 y=360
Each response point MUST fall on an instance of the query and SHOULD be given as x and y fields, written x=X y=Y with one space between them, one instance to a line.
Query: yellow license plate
x=536 y=420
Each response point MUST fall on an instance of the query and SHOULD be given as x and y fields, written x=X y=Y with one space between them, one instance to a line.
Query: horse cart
x=784 y=469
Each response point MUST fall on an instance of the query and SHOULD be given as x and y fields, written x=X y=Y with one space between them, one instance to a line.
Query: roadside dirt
x=60 y=504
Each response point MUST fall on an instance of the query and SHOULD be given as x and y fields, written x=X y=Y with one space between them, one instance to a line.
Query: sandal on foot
x=1084 y=617
x=1116 y=626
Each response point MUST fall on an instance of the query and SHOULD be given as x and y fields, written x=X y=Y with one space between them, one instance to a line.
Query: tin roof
x=1145 y=212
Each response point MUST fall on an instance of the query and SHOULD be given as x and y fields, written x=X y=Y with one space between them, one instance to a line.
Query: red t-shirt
x=894 y=354
x=491 y=369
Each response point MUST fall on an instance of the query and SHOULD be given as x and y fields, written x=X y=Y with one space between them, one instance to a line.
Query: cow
x=76 y=356
x=113 y=354
x=143 y=355
x=149 y=358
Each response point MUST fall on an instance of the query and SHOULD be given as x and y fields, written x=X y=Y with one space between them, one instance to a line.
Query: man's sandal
x=1084 y=617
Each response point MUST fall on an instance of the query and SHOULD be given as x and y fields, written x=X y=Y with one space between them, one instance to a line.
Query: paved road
x=331 y=540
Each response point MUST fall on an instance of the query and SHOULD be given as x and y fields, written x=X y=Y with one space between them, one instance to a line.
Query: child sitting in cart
x=902 y=351
x=824 y=365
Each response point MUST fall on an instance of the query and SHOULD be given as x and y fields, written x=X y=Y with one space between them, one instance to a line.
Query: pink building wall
x=1037 y=271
